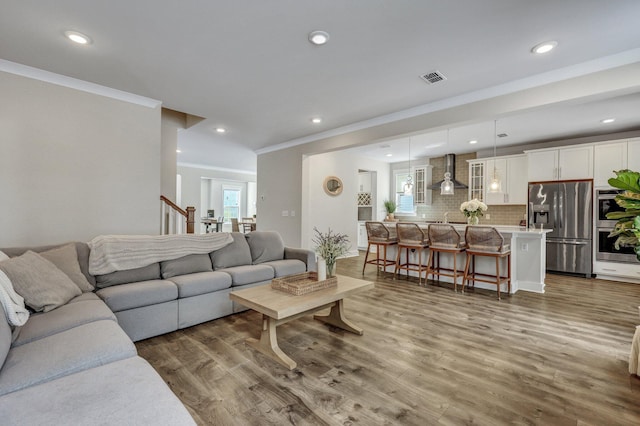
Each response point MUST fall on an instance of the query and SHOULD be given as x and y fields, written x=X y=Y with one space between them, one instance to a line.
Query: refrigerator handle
x=561 y=209
x=555 y=209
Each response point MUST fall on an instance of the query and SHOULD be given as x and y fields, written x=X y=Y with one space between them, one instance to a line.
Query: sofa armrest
x=307 y=256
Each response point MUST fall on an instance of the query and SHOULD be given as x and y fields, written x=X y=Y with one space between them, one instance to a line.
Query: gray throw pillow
x=43 y=286
x=235 y=254
x=266 y=246
x=66 y=259
x=146 y=273
x=189 y=264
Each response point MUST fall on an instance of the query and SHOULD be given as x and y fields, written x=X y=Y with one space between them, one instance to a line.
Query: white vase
x=322 y=269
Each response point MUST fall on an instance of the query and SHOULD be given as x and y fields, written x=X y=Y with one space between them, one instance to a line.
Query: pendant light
x=408 y=186
x=496 y=184
x=446 y=187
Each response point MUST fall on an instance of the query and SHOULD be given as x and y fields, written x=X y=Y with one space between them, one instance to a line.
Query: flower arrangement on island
x=330 y=246
x=473 y=209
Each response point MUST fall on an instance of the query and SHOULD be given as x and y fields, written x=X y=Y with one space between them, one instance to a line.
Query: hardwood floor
x=428 y=356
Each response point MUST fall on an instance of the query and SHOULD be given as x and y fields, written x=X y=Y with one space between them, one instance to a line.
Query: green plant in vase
x=330 y=246
x=390 y=207
x=627 y=229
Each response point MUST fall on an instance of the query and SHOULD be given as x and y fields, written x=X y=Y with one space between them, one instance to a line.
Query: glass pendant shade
x=446 y=187
x=408 y=186
x=495 y=185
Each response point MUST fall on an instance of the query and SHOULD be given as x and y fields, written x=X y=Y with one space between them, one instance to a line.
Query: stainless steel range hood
x=450 y=166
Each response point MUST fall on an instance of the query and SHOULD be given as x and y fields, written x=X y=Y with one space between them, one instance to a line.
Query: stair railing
x=175 y=220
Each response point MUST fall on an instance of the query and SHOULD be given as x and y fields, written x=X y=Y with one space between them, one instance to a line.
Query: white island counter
x=528 y=257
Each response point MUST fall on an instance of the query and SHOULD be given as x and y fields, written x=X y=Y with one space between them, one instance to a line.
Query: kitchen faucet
x=446 y=217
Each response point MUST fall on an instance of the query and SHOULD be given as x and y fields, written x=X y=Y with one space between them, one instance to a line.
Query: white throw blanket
x=110 y=253
x=13 y=304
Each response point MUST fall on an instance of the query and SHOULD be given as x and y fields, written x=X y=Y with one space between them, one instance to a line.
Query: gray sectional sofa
x=77 y=363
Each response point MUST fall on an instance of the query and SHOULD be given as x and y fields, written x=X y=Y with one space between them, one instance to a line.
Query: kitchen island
x=528 y=257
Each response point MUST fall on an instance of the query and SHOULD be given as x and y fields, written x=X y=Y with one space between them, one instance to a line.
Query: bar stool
x=411 y=237
x=444 y=238
x=486 y=241
x=380 y=236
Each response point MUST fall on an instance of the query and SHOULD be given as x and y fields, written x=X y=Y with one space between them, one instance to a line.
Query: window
x=404 y=202
x=231 y=203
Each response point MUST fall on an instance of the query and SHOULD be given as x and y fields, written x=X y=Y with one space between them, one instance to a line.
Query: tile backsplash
x=500 y=215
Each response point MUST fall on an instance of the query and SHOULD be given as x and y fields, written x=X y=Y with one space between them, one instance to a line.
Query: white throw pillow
x=3 y=256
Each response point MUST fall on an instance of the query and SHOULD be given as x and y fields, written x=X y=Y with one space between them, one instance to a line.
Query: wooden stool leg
x=366 y=257
x=395 y=271
x=465 y=278
x=455 y=273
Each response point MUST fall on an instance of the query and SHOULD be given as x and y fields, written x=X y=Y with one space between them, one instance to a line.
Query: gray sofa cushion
x=43 y=286
x=66 y=259
x=126 y=392
x=265 y=246
x=249 y=274
x=235 y=254
x=65 y=353
x=81 y=248
x=61 y=319
x=186 y=265
x=201 y=283
x=287 y=267
x=84 y=297
x=146 y=273
x=135 y=295
x=5 y=336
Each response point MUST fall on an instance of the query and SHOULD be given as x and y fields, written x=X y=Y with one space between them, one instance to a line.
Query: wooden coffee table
x=278 y=307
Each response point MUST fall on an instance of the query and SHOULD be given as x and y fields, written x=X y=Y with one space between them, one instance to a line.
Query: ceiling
x=247 y=65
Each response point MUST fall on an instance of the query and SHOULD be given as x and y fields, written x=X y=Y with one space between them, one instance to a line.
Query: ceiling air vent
x=433 y=77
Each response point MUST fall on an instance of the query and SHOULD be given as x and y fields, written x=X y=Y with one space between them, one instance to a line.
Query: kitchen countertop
x=505 y=229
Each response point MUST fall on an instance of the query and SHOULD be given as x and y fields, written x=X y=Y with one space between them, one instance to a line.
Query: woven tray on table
x=304 y=283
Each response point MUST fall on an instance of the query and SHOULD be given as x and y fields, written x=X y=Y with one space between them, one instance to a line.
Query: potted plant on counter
x=390 y=207
x=627 y=230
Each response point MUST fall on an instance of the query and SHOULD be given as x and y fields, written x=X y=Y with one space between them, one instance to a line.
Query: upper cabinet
x=575 y=162
x=613 y=156
x=512 y=172
x=364 y=182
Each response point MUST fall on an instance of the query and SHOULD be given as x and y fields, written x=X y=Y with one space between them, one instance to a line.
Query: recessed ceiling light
x=318 y=37
x=178 y=151
x=389 y=155
x=316 y=120
x=545 y=47
x=608 y=120
x=77 y=37
x=473 y=141
x=221 y=130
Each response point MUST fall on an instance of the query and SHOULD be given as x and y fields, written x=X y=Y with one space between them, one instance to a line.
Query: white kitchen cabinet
x=422 y=181
x=517 y=182
x=362 y=236
x=569 y=163
x=364 y=182
x=476 y=179
x=512 y=172
x=633 y=155
x=607 y=158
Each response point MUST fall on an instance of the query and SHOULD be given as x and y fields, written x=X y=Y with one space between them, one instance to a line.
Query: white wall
x=74 y=165
x=195 y=194
x=340 y=213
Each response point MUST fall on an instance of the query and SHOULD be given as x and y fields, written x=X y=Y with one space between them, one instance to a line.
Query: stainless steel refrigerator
x=567 y=209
